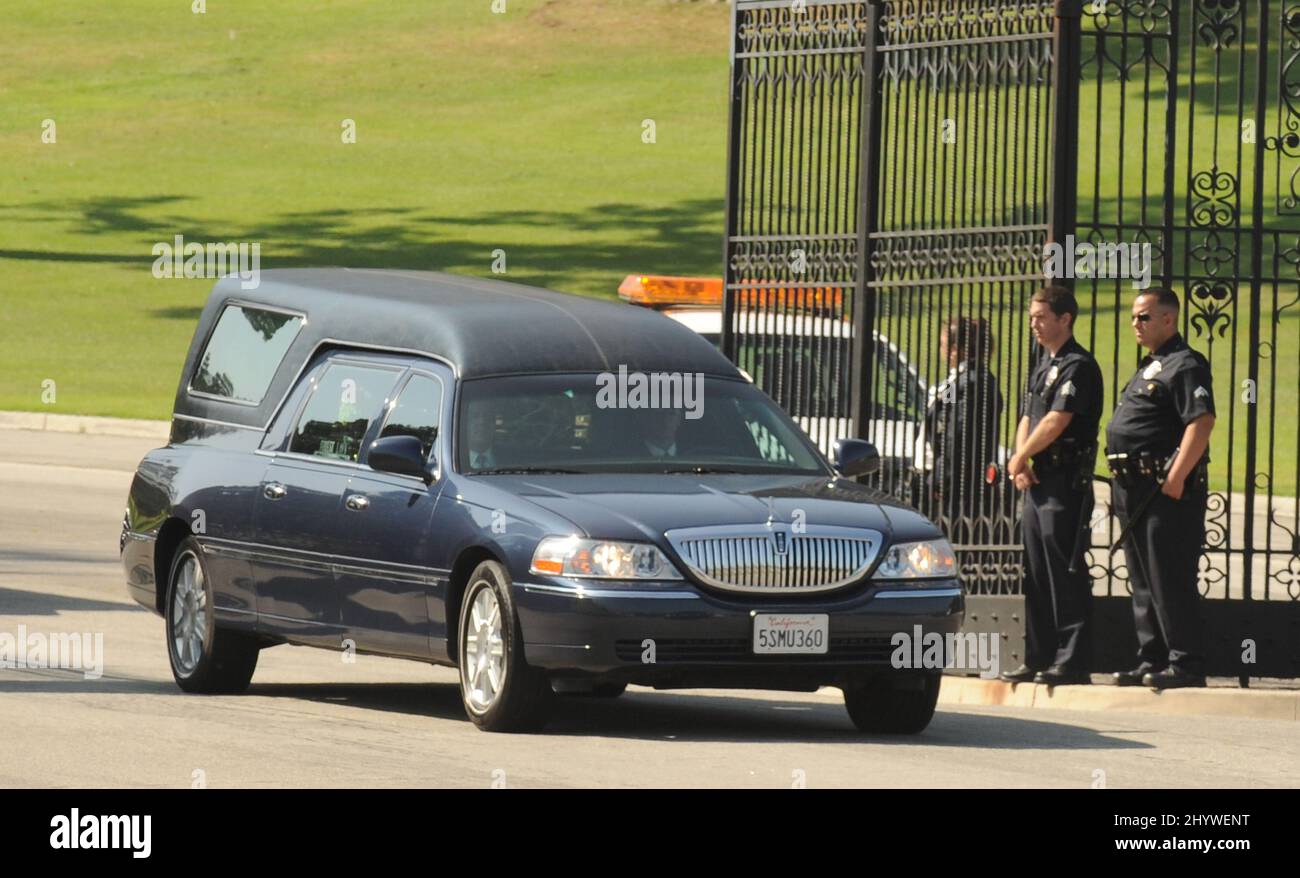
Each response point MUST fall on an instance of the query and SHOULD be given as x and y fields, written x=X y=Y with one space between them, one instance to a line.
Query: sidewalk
x=1267 y=699
x=82 y=424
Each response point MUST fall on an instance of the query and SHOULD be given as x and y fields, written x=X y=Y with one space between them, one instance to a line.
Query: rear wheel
x=501 y=693
x=892 y=704
x=204 y=658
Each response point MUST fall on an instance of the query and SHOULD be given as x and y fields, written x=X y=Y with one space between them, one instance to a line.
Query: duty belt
x=1061 y=456
x=1131 y=468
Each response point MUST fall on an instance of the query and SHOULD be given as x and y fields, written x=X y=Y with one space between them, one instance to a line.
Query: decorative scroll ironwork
x=1286 y=142
x=788 y=28
x=796 y=259
x=1218 y=22
x=1214 y=194
x=957 y=256
x=906 y=22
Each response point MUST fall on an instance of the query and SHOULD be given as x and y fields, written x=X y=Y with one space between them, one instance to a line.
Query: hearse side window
x=416 y=412
x=244 y=352
x=335 y=420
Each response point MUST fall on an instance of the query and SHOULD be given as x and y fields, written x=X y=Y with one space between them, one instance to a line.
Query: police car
x=900 y=394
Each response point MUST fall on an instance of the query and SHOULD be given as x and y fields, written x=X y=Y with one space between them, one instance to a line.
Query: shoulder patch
x=1201 y=392
x=1067 y=389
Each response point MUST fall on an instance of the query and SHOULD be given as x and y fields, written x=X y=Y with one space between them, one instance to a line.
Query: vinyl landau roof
x=482 y=327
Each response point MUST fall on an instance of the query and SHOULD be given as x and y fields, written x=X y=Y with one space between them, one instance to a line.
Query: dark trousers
x=1163 y=552
x=1058 y=603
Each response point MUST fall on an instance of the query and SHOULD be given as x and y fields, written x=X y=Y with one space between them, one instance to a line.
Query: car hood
x=645 y=506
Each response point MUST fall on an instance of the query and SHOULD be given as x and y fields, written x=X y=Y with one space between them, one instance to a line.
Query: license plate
x=784 y=633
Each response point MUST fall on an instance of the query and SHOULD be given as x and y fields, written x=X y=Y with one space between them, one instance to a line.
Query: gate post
x=734 y=109
x=1066 y=49
x=1256 y=290
x=862 y=357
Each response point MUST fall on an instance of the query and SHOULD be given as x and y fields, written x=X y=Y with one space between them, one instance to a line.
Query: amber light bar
x=666 y=291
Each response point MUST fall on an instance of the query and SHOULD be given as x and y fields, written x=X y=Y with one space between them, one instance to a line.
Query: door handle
x=274 y=491
x=357 y=502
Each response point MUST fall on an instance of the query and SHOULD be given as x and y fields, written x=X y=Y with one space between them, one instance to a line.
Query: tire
x=892 y=704
x=500 y=692
x=204 y=658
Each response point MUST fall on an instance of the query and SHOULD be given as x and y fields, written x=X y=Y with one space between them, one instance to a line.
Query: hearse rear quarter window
x=244 y=352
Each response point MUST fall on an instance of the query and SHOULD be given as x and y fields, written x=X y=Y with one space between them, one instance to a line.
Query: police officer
x=1056 y=452
x=1157 y=447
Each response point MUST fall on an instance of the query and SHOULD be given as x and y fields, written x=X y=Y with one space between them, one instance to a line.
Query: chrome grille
x=747 y=558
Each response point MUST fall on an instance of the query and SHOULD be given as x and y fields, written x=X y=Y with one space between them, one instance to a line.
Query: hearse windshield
x=626 y=422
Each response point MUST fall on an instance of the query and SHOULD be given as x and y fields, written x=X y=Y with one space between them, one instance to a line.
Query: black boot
x=1059 y=676
x=1174 y=678
x=1135 y=676
x=1022 y=674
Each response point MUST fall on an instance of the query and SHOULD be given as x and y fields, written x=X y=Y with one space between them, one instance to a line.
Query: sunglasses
x=1144 y=317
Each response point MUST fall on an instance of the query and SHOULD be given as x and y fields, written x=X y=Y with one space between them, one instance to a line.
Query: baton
x=1084 y=530
x=1141 y=510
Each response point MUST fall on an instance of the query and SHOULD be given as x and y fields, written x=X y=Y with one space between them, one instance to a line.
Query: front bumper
x=699 y=638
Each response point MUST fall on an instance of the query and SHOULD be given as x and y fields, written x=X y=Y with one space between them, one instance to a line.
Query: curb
x=90 y=426
x=1275 y=704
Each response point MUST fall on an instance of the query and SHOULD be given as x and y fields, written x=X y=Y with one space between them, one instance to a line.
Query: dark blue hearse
x=551 y=493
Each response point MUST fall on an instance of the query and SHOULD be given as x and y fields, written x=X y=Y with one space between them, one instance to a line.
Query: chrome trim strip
x=921 y=593
x=300 y=621
x=312 y=458
x=235 y=610
x=203 y=394
x=385 y=573
x=280 y=553
x=143 y=538
x=580 y=592
x=179 y=417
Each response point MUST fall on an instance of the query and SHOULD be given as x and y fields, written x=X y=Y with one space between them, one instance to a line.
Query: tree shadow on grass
x=541 y=246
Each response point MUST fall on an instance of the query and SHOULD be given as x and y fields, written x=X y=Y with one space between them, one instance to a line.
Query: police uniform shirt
x=1068 y=382
x=1171 y=389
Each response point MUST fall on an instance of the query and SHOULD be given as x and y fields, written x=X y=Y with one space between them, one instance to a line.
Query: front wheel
x=204 y=658
x=892 y=704
x=501 y=693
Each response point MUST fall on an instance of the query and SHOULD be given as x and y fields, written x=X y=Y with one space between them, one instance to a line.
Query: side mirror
x=855 y=457
x=403 y=455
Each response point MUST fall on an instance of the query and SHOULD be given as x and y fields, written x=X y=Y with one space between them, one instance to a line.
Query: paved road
x=311 y=720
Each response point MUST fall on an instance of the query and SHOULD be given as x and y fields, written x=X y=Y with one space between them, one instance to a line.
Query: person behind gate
x=1157 y=446
x=1056 y=453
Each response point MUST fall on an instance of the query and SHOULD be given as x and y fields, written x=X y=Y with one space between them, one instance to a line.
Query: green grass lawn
x=475 y=131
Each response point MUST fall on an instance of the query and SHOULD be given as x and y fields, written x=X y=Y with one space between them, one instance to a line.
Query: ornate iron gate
x=898 y=165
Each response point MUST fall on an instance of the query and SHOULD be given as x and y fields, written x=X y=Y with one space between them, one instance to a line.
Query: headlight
x=601 y=559
x=931 y=558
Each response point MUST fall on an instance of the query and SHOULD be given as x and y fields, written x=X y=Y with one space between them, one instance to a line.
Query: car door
x=384 y=579
x=298 y=511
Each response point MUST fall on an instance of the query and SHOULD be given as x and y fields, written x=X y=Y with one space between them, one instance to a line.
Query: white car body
x=893 y=438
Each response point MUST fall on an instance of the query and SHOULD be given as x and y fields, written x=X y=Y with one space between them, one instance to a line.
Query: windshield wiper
x=523 y=470
x=702 y=470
